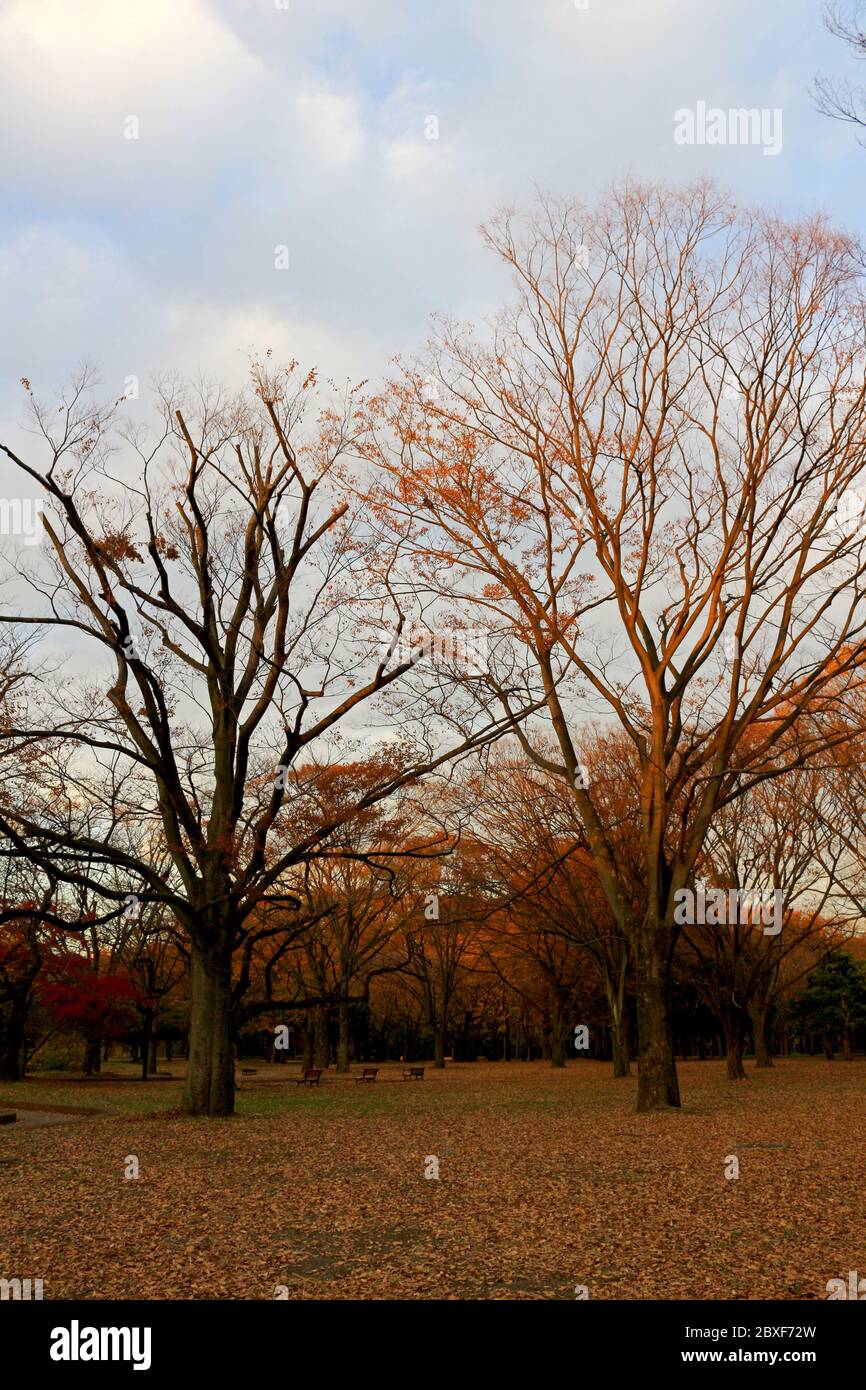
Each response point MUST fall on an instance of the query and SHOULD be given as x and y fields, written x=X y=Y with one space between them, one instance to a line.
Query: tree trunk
x=12 y=1041
x=92 y=1064
x=439 y=1046
x=618 y=1031
x=209 y=1088
x=658 y=1087
x=343 y=1037
x=321 y=1044
x=621 y=1063
x=545 y=1034
x=733 y=1045
x=763 y=1055
x=307 y=1057
x=146 y=1033
x=847 y=1050
x=151 y=1060
x=557 y=1039
x=557 y=1048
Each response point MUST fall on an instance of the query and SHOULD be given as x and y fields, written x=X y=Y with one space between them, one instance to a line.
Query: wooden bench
x=413 y=1074
x=309 y=1077
x=249 y=1071
x=368 y=1074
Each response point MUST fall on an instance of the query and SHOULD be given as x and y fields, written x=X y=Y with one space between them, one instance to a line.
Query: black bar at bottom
x=75 y=1339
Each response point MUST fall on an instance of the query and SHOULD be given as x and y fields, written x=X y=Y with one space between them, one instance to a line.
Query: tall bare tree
x=645 y=479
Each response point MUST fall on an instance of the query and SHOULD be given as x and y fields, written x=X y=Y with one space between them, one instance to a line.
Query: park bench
x=249 y=1071
x=368 y=1074
x=413 y=1074
x=309 y=1077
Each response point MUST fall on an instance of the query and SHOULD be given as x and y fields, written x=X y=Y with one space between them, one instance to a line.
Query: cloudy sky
x=304 y=124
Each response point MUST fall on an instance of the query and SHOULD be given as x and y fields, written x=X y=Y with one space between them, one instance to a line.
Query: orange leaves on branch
x=116 y=546
x=166 y=549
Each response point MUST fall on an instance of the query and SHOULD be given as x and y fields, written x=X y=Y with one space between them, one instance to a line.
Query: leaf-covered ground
x=547 y=1180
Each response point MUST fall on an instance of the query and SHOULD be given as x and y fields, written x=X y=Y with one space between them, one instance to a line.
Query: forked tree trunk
x=209 y=1088
x=658 y=1087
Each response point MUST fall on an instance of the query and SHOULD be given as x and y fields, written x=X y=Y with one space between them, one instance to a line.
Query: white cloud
x=332 y=125
x=407 y=158
x=74 y=73
x=306 y=128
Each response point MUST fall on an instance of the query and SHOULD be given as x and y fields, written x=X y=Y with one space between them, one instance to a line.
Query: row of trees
x=641 y=484
x=502 y=946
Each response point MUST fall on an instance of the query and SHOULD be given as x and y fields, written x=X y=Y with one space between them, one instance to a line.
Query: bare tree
x=553 y=903
x=844 y=101
x=642 y=478
x=352 y=900
x=781 y=833
x=206 y=580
